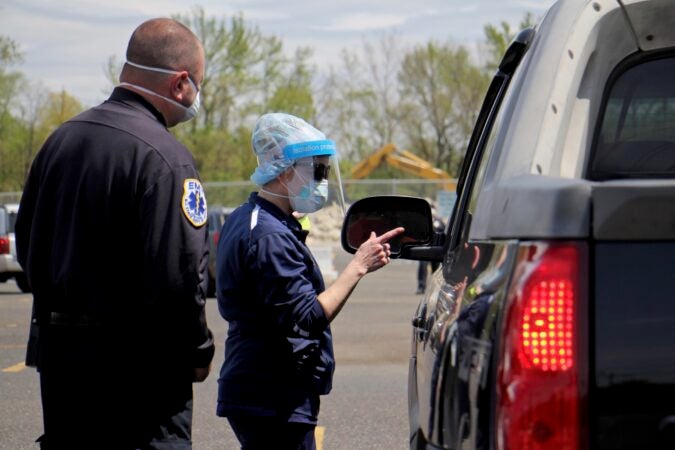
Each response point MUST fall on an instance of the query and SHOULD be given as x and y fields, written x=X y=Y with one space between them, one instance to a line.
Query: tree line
x=423 y=98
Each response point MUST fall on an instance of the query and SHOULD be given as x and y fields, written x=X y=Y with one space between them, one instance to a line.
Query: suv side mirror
x=383 y=213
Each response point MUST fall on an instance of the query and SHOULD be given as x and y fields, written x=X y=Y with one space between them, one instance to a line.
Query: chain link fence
x=9 y=197
x=234 y=193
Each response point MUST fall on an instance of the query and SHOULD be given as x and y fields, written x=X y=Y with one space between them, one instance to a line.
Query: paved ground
x=366 y=410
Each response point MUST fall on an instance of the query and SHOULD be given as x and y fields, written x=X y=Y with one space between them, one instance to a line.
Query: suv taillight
x=541 y=388
x=4 y=245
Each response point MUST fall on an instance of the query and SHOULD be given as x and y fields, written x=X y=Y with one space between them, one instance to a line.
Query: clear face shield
x=317 y=166
x=337 y=185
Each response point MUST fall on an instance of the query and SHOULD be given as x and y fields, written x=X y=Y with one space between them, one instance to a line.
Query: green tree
x=39 y=112
x=28 y=114
x=247 y=73
x=59 y=107
x=293 y=90
x=9 y=80
x=498 y=37
x=245 y=70
x=10 y=128
x=230 y=158
x=30 y=132
x=443 y=91
x=358 y=102
x=231 y=49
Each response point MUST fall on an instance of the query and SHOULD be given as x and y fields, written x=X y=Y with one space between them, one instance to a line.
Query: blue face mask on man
x=189 y=111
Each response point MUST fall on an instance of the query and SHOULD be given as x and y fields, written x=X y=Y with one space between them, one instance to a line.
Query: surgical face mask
x=189 y=112
x=312 y=194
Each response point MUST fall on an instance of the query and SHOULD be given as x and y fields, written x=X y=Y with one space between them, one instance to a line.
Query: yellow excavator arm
x=404 y=160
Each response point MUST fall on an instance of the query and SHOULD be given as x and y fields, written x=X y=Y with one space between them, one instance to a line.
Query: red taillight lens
x=4 y=245
x=541 y=377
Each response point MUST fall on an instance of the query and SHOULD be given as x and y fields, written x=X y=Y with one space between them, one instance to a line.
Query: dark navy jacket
x=101 y=233
x=279 y=351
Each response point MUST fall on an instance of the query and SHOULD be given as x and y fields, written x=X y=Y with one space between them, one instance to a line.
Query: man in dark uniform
x=279 y=351
x=111 y=235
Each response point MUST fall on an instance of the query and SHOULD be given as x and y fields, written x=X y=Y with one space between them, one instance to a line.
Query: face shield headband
x=299 y=150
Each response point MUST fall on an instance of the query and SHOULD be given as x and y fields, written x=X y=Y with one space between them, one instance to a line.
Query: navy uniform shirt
x=111 y=228
x=279 y=351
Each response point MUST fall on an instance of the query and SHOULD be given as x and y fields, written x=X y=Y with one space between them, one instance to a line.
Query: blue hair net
x=279 y=140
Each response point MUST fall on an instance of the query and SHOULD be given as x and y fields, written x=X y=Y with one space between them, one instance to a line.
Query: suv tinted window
x=637 y=138
x=634 y=376
x=3 y=221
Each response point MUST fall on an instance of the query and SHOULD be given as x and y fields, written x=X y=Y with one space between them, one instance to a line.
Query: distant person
x=111 y=235
x=279 y=350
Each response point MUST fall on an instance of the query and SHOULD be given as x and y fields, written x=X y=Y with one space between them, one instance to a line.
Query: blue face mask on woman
x=189 y=111
x=308 y=194
x=311 y=198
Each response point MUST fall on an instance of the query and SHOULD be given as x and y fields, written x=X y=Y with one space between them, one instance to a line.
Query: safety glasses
x=321 y=171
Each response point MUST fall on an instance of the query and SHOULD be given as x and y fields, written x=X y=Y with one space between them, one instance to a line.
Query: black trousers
x=94 y=397
x=265 y=433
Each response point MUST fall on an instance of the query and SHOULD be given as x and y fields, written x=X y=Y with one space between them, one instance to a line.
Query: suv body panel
x=557 y=91
x=525 y=184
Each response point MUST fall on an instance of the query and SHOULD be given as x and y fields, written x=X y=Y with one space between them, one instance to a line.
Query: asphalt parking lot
x=367 y=408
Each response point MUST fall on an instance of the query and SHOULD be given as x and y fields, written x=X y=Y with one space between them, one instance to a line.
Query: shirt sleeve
x=286 y=286
x=176 y=259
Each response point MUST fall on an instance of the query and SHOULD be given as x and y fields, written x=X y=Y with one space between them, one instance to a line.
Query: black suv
x=551 y=321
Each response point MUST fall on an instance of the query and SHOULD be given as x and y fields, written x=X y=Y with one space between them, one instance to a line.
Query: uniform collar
x=131 y=98
x=287 y=219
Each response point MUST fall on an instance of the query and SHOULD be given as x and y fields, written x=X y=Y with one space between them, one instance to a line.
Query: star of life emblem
x=194 y=202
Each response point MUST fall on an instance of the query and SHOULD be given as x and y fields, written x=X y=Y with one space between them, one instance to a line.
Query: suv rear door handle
x=419 y=325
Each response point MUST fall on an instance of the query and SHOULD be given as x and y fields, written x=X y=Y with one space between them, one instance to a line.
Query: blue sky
x=66 y=43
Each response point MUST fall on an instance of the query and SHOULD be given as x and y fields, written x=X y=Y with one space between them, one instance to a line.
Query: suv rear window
x=3 y=221
x=637 y=138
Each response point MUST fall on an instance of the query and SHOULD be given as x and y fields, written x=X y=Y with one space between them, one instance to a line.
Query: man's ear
x=180 y=85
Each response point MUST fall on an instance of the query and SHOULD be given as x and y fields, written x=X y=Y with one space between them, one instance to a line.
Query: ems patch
x=194 y=202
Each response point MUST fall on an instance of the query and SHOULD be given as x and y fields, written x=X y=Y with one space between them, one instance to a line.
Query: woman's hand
x=376 y=251
x=371 y=255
